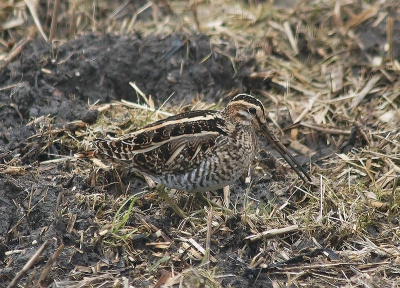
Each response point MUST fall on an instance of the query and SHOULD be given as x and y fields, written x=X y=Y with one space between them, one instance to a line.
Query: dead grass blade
x=32 y=8
x=15 y=52
x=272 y=233
x=30 y=263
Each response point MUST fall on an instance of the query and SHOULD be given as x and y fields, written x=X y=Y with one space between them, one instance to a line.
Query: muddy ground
x=61 y=84
x=103 y=227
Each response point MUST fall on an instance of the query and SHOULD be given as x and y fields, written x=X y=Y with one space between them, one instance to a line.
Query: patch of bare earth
x=330 y=67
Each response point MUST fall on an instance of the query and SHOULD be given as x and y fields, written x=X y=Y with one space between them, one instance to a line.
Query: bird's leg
x=247 y=180
x=200 y=196
x=161 y=191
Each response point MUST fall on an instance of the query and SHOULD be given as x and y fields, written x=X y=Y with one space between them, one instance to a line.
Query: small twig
x=325 y=130
x=144 y=107
x=32 y=9
x=136 y=14
x=165 y=276
x=292 y=40
x=8 y=87
x=365 y=91
x=321 y=202
x=17 y=49
x=50 y=263
x=113 y=15
x=271 y=233
x=208 y=238
x=193 y=7
x=389 y=37
x=53 y=27
x=19 y=112
x=227 y=194
x=29 y=264
x=137 y=89
x=362 y=17
x=308 y=108
x=72 y=28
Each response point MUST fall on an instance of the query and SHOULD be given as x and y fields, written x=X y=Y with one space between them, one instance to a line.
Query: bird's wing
x=173 y=144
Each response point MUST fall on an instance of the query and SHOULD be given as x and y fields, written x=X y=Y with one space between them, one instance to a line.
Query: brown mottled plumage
x=198 y=150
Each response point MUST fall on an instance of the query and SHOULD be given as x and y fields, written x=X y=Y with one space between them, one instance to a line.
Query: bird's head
x=246 y=110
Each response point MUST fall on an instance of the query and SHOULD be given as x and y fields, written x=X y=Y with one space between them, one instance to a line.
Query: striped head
x=246 y=110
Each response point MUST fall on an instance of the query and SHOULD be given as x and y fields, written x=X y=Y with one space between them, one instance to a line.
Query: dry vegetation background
x=335 y=74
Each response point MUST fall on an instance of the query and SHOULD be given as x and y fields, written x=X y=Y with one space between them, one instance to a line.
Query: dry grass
x=340 y=89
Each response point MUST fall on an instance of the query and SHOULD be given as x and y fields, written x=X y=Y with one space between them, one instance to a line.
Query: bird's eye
x=252 y=110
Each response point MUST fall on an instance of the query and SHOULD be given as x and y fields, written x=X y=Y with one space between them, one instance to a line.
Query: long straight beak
x=277 y=144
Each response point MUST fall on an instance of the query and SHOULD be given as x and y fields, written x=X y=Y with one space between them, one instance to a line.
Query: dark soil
x=41 y=201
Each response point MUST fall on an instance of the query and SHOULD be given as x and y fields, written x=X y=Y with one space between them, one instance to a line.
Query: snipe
x=198 y=150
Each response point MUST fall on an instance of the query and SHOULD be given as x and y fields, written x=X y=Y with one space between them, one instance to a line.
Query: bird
x=200 y=150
